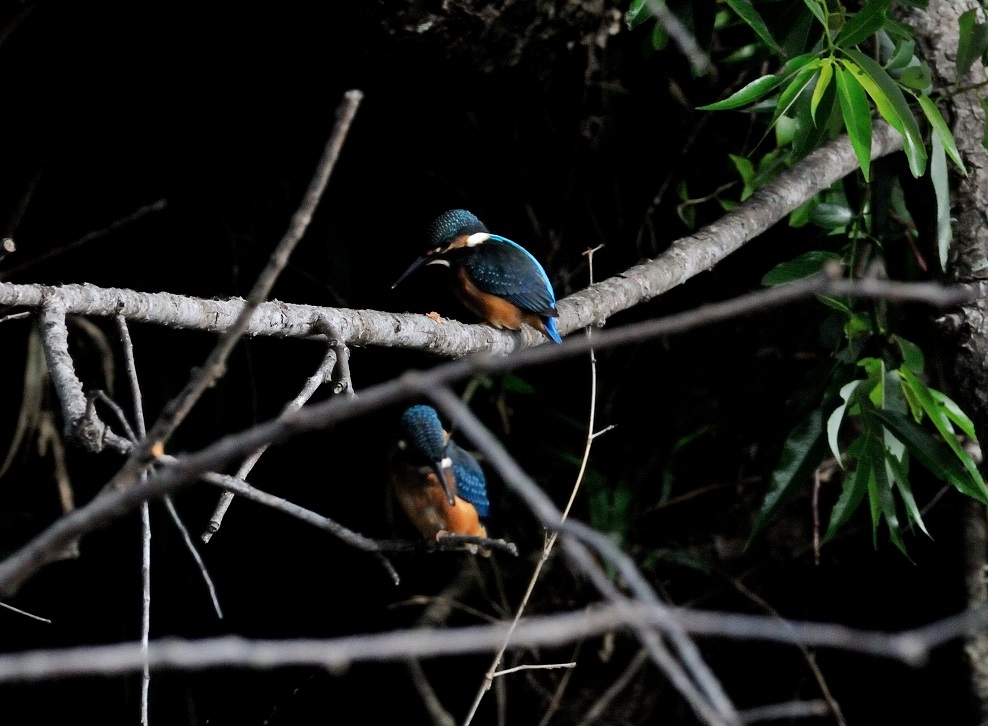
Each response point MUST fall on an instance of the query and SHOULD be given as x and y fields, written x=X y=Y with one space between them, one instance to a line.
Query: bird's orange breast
x=421 y=496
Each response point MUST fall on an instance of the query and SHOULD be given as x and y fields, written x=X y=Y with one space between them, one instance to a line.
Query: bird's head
x=425 y=440
x=452 y=230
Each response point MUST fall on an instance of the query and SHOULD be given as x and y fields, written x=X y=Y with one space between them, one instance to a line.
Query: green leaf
x=801 y=454
x=916 y=77
x=749 y=94
x=819 y=11
x=831 y=216
x=934 y=455
x=791 y=92
x=973 y=41
x=941 y=130
x=880 y=490
x=748 y=14
x=638 y=12
x=901 y=479
x=806 y=265
x=863 y=24
x=904 y=52
x=891 y=105
x=941 y=420
x=941 y=190
x=826 y=73
x=857 y=117
x=837 y=417
x=912 y=355
x=954 y=412
x=853 y=491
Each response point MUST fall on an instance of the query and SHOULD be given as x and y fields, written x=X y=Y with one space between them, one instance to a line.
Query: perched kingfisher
x=439 y=485
x=494 y=277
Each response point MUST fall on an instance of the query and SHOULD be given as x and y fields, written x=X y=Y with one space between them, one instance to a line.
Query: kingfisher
x=495 y=278
x=440 y=486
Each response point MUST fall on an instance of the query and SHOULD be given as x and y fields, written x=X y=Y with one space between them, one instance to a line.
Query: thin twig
x=203 y=378
x=312 y=384
x=784 y=711
x=614 y=690
x=191 y=547
x=535 y=667
x=130 y=366
x=145 y=607
x=90 y=236
x=5 y=606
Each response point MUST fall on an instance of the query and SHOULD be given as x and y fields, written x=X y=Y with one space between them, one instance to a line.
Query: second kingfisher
x=440 y=486
x=494 y=277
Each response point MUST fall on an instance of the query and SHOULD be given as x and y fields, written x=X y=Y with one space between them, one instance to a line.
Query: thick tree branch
x=685 y=258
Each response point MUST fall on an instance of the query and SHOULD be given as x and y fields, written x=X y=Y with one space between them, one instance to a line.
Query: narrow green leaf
x=901 y=478
x=791 y=92
x=934 y=455
x=973 y=41
x=942 y=422
x=660 y=37
x=806 y=265
x=831 y=216
x=801 y=454
x=637 y=13
x=912 y=354
x=863 y=24
x=749 y=94
x=818 y=10
x=853 y=491
x=954 y=412
x=915 y=407
x=837 y=417
x=941 y=130
x=941 y=190
x=904 y=52
x=826 y=73
x=916 y=77
x=882 y=492
x=857 y=117
x=748 y=14
x=891 y=104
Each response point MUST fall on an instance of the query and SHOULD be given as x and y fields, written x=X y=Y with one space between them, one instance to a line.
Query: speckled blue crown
x=424 y=431
x=454 y=223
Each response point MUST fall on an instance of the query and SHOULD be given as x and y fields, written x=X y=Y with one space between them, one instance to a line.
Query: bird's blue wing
x=470 y=482
x=507 y=270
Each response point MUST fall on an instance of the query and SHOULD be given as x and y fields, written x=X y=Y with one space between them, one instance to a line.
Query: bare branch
x=80 y=426
x=5 y=606
x=90 y=236
x=612 y=692
x=911 y=647
x=312 y=384
x=145 y=607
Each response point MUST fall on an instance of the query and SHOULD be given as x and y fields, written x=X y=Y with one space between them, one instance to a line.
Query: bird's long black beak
x=444 y=470
x=412 y=268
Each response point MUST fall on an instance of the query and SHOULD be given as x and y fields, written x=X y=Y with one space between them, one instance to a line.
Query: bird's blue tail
x=550 y=328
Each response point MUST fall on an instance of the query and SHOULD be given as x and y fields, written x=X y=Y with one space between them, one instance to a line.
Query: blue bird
x=440 y=486
x=495 y=278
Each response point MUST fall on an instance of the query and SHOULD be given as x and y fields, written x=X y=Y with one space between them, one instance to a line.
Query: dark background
x=557 y=134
